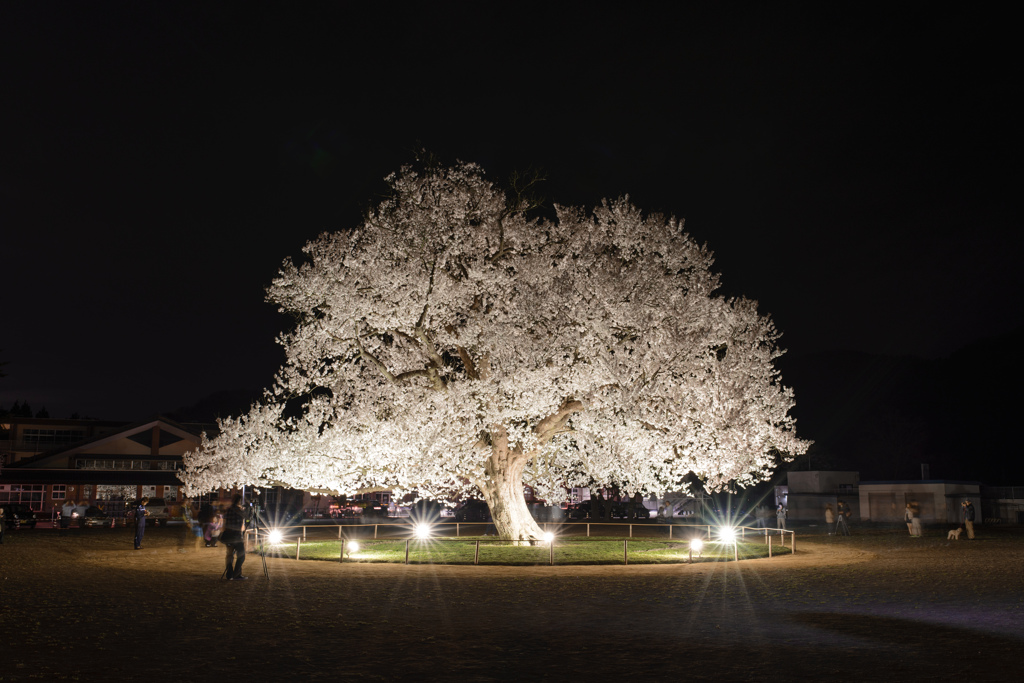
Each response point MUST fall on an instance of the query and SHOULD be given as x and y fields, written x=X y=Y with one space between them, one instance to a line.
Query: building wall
x=820 y=481
x=936 y=501
x=810 y=507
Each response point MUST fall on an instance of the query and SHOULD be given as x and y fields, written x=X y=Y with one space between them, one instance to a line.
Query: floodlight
x=696 y=544
x=275 y=536
x=549 y=537
x=353 y=547
x=727 y=535
x=422 y=531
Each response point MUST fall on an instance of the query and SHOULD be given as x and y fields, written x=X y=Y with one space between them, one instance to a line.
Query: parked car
x=373 y=509
x=95 y=517
x=473 y=511
x=17 y=515
x=578 y=511
x=583 y=510
x=157 y=511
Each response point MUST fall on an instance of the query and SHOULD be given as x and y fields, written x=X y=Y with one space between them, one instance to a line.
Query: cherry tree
x=452 y=346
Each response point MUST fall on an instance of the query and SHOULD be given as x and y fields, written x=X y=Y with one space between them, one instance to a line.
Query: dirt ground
x=876 y=606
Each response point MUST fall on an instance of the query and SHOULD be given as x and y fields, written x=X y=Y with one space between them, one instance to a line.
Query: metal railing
x=404 y=528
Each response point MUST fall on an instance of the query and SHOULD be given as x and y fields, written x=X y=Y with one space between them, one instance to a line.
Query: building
x=1003 y=504
x=24 y=437
x=935 y=500
x=808 y=492
x=50 y=461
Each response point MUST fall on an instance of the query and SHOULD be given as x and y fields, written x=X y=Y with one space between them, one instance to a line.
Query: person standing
x=830 y=517
x=234 y=539
x=913 y=521
x=780 y=516
x=843 y=511
x=967 y=517
x=140 y=522
x=80 y=513
x=66 y=511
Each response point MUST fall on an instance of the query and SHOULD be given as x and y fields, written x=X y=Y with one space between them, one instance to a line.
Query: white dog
x=954 y=534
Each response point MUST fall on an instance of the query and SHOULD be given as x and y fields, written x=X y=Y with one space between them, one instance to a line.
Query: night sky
x=857 y=172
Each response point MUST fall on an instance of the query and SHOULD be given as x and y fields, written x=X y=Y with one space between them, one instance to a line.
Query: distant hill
x=886 y=416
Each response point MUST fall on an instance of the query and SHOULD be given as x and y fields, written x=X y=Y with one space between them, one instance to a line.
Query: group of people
x=763 y=513
x=228 y=527
x=71 y=510
x=838 y=517
x=913 y=519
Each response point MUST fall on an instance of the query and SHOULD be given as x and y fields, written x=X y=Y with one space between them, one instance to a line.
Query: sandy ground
x=877 y=606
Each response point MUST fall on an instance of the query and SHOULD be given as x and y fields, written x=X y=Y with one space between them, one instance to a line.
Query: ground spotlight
x=353 y=547
x=727 y=534
x=549 y=537
x=275 y=536
x=422 y=531
x=696 y=544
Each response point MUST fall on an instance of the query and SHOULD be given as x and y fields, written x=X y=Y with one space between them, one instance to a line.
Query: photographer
x=233 y=537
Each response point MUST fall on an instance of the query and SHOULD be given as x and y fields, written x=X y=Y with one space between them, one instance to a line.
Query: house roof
x=68 y=476
x=64 y=450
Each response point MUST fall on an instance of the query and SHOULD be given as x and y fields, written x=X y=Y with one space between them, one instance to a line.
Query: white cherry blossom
x=452 y=346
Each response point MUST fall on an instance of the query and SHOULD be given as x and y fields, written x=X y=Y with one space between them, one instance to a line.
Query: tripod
x=256 y=521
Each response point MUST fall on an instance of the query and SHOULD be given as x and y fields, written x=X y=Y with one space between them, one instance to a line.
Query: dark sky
x=855 y=171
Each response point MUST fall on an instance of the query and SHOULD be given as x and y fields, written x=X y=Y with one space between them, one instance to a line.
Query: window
x=59 y=491
x=50 y=437
x=115 y=491
x=29 y=494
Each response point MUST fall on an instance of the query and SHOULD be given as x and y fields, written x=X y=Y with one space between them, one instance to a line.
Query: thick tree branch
x=467 y=362
x=551 y=425
x=375 y=362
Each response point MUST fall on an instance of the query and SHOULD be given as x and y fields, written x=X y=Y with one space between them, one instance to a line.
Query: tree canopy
x=452 y=345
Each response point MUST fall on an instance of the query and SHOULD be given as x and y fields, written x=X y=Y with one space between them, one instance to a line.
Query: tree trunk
x=503 y=491
x=609 y=501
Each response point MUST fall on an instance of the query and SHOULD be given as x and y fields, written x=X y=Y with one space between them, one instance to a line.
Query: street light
x=727 y=535
x=696 y=545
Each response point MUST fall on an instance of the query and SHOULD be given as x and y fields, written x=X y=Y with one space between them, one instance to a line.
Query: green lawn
x=567 y=551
